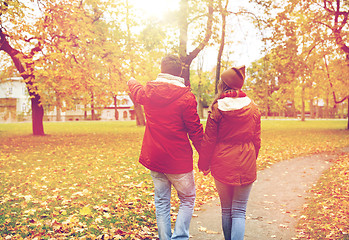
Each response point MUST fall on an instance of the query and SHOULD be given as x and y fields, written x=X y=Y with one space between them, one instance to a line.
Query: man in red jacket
x=171 y=113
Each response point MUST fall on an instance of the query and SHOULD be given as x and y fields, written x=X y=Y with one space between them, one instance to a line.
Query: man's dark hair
x=171 y=64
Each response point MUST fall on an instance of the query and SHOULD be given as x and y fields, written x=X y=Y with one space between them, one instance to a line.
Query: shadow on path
x=275 y=203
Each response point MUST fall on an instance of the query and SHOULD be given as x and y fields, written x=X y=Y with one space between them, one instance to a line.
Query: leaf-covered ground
x=83 y=180
x=326 y=213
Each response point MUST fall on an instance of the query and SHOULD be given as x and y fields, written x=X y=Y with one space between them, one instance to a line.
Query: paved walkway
x=275 y=202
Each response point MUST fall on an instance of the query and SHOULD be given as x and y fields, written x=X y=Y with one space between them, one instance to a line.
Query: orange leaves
x=77 y=184
x=326 y=214
x=287 y=139
x=85 y=211
x=84 y=179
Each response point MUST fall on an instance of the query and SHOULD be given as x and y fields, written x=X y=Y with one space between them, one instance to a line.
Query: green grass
x=84 y=127
x=84 y=179
x=285 y=139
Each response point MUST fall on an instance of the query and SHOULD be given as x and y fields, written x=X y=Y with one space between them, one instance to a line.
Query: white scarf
x=230 y=104
x=168 y=78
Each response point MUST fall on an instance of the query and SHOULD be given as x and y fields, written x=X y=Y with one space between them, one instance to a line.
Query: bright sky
x=247 y=45
x=154 y=8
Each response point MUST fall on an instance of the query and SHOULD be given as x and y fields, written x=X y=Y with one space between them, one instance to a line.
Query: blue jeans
x=233 y=204
x=185 y=186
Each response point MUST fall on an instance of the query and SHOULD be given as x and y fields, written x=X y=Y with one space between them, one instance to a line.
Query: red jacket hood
x=162 y=94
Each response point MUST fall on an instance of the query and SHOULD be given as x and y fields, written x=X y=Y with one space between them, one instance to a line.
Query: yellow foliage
x=84 y=177
x=85 y=211
x=326 y=214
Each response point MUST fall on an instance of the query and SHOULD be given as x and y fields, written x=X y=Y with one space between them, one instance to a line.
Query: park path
x=275 y=202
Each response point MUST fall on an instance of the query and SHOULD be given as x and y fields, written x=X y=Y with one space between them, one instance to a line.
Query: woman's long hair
x=221 y=88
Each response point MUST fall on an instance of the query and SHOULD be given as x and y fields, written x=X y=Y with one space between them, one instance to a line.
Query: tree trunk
x=183 y=38
x=200 y=64
x=222 y=42
x=85 y=113
x=346 y=50
x=37 y=116
x=58 y=114
x=218 y=74
x=186 y=74
x=37 y=108
x=326 y=109
x=311 y=106
x=348 y=115
x=93 y=115
x=303 y=110
x=116 y=114
x=303 y=103
x=200 y=107
x=266 y=101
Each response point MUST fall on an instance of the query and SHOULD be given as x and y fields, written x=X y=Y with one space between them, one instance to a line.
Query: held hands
x=205 y=172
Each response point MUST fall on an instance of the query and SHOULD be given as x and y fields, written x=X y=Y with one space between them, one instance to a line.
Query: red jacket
x=171 y=115
x=232 y=141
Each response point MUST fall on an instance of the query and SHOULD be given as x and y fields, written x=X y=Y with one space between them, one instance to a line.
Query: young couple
x=228 y=149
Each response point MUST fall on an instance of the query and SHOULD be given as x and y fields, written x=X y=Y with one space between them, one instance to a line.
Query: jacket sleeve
x=257 y=132
x=137 y=91
x=192 y=122
x=209 y=140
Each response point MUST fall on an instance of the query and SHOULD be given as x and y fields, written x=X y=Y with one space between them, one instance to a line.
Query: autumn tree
x=131 y=57
x=66 y=51
x=189 y=12
x=26 y=41
x=22 y=50
x=92 y=58
x=201 y=84
x=223 y=21
x=330 y=18
x=261 y=85
x=223 y=10
x=321 y=31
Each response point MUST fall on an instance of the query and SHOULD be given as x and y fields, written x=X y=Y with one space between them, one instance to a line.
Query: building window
x=24 y=107
x=10 y=90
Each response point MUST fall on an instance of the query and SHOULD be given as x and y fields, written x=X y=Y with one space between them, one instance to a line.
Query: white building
x=15 y=106
x=14 y=100
x=124 y=109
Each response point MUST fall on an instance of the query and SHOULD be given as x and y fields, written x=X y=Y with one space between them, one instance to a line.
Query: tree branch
x=208 y=34
x=254 y=16
x=344 y=22
x=331 y=9
x=38 y=48
x=326 y=25
x=329 y=79
x=313 y=47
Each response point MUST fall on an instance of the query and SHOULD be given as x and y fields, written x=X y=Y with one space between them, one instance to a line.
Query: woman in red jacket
x=230 y=148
